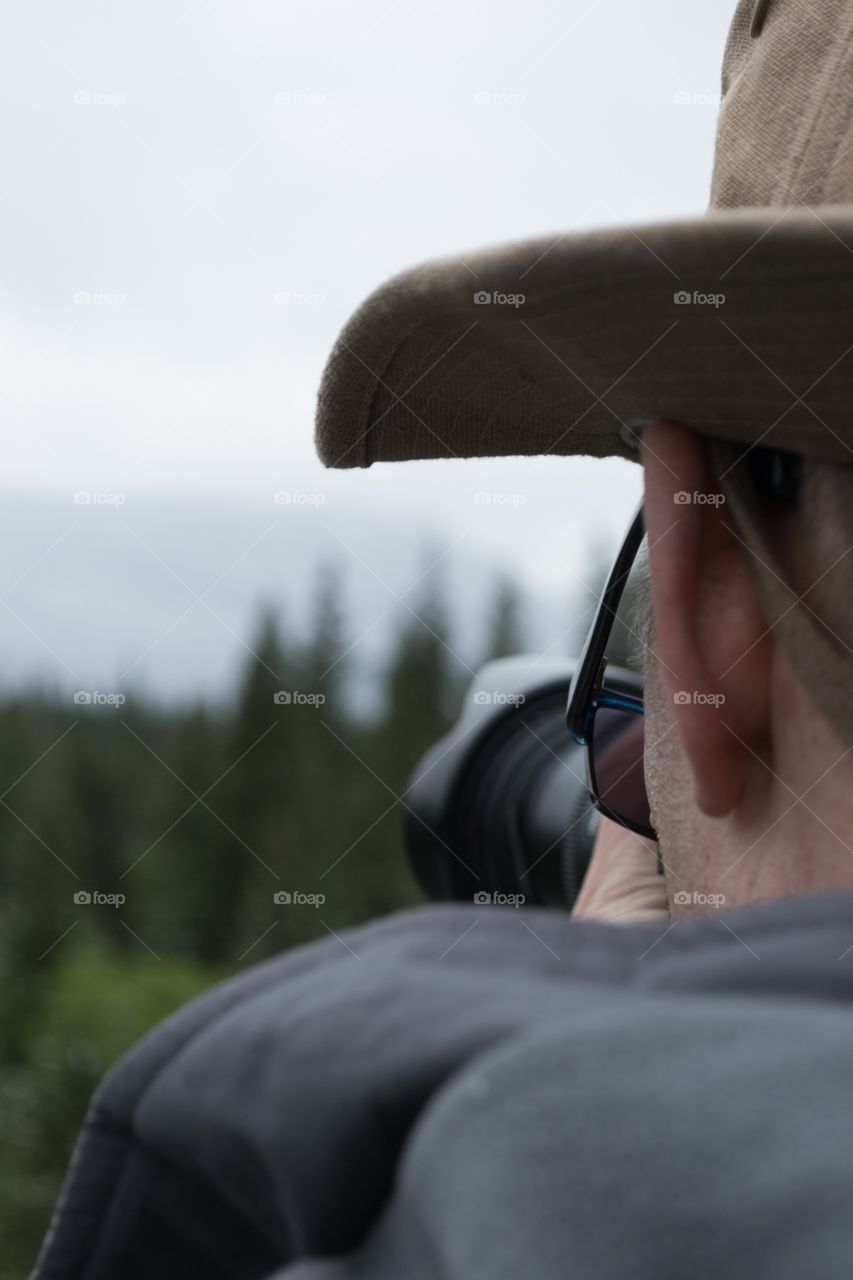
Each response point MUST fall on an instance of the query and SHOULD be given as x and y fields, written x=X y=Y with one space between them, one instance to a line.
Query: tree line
x=149 y=851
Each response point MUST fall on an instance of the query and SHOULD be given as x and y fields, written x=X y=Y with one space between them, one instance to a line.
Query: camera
x=499 y=810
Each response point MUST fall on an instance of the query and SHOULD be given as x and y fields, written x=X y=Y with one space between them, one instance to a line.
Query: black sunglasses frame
x=588 y=691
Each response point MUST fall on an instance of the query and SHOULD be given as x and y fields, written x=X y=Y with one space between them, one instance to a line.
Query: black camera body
x=499 y=809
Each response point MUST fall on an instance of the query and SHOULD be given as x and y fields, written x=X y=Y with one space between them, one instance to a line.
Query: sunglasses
x=609 y=721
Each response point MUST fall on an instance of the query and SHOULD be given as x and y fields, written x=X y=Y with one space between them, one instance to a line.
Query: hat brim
x=584 y=339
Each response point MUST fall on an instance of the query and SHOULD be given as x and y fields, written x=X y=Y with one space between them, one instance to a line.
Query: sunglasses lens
x=616 y=764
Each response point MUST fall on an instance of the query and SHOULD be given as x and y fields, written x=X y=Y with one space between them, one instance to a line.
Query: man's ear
x=711 y=636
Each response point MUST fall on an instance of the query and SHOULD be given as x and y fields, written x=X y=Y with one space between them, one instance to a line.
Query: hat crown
x=785 y=133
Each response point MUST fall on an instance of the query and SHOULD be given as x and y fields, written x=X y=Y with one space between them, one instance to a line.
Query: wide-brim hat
x=737 y=323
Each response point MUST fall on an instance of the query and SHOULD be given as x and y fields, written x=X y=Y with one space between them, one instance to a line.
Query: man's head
x=738 y=325
x=751 y=782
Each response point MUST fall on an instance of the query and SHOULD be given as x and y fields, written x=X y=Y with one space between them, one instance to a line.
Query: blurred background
x=219 y=662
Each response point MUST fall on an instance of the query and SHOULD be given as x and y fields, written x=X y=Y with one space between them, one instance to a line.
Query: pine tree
x=326 y=662
x=254 y=801
x=504 y=630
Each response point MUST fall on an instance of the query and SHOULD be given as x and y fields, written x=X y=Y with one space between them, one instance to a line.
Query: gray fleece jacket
x=463 y=1093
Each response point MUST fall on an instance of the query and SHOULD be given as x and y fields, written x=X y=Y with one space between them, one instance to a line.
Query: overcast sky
x=195 y=196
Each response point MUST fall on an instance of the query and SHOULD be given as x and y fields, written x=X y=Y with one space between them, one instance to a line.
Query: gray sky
x=195 y=197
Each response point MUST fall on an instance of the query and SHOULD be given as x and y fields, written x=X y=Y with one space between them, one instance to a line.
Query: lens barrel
x=500 y=806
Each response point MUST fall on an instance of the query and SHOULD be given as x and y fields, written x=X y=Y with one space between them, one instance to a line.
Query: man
x=470 y=1092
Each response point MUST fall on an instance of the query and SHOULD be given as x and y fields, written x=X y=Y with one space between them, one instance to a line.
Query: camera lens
x=500 y=806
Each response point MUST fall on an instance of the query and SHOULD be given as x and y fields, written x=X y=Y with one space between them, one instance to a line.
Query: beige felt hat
x=738 y=323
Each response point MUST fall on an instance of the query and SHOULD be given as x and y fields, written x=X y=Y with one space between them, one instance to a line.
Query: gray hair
x=639 y=612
